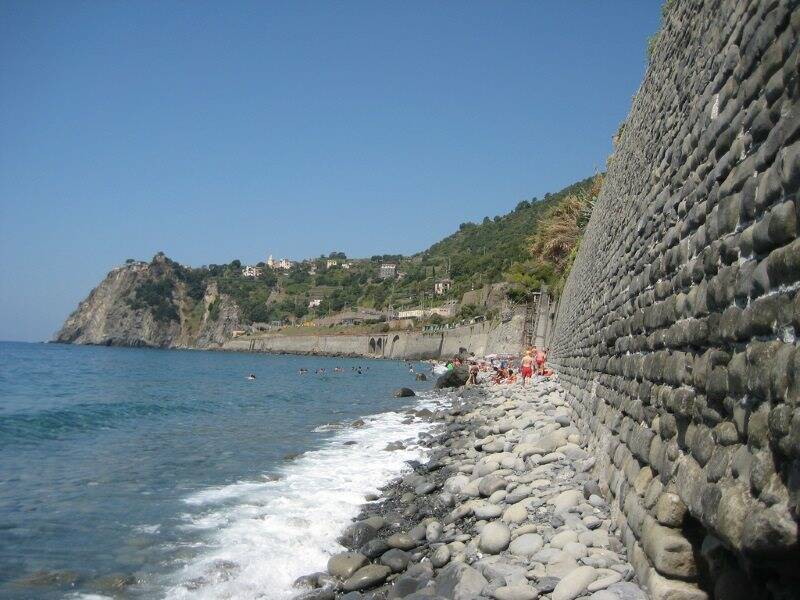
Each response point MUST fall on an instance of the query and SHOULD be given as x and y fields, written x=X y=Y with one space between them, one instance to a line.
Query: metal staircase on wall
x=529 y=327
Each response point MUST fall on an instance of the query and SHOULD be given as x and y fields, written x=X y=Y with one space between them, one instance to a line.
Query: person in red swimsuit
x=527 y=367
x=541 y=357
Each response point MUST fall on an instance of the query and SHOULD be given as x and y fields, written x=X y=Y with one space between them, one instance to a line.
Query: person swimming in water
x=251 y=376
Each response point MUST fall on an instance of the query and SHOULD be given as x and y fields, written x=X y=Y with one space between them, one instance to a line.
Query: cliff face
x=215 y=331
x=110 y=316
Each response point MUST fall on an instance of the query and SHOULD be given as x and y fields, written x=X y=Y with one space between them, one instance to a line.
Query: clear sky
x=222 y=130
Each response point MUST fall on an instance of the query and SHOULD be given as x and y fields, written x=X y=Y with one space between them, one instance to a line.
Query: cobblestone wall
x=676 y=337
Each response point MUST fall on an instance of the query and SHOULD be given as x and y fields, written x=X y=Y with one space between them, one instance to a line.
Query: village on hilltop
x=433 y=304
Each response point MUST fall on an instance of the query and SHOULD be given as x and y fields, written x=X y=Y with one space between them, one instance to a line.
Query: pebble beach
x=505 y=507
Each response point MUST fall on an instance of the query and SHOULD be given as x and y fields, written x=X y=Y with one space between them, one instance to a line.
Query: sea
x=142 y=473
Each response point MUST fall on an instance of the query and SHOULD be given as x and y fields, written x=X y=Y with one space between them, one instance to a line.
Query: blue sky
x=222 y=130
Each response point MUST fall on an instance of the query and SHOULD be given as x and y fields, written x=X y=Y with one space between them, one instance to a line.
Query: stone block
x=718 y=465
x=642 y=479
x=668 y=550
x=670 y=510
x=783 y=264
x=734 y=506
x=769 y=532
x=662 y=588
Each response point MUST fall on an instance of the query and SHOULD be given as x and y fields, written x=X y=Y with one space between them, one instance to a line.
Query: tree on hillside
x=558 y=236
x=268 y=277
x=467 y=311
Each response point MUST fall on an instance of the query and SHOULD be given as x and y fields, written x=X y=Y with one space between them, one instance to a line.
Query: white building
x=446 y=310
x=284 y=263
x=314 y=302
x=252 y=271
x=442 y=287
x=331 y=263
x=346 y=265
x=387 y=271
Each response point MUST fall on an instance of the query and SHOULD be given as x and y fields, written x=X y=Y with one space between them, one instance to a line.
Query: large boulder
x=574 y=584
x=456 y=377
x=367 y=577
x=527 y=544
x=408 y=583
x=374 y=548
x=344 y=564
x=516 y=592
x=494 y=538
x=357 y=534
x=396 y=559
x=402 y=541
x=404 y=392
x=566 y=500
x=459 y=581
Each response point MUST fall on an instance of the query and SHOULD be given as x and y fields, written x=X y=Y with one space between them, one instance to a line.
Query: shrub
x=155 y=295
x=467 y=311
x=213 y=310
x=555 y=243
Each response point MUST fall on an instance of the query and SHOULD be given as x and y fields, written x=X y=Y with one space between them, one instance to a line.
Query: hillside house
x=284 y=264
x=442 y=286
x=446 y=310
x=252 y=271
x=412 y=313
x=387 y=271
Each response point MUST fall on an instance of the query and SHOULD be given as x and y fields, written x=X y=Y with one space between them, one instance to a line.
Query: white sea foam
x=262 y=535
x=329 y=427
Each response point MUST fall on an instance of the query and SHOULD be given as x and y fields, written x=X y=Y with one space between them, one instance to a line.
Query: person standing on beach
x=541 y=357
x=527 y=367
x=473 y=373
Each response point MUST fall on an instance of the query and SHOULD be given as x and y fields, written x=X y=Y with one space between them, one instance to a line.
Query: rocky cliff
x=676 y=336
x=119 y=313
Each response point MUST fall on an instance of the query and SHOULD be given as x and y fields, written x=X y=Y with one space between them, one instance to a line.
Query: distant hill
x=164 y=303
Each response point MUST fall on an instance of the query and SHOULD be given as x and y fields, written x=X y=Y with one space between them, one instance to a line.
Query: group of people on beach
x=502 y=369
x=534 y=361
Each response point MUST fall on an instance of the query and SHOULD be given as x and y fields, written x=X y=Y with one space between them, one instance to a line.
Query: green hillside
x=497 y=249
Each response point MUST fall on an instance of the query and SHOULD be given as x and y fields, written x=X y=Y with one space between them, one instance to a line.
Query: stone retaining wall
x=676 y=336
x=480 y=338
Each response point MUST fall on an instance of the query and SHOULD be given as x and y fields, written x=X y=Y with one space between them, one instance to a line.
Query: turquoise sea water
x=161 y=473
